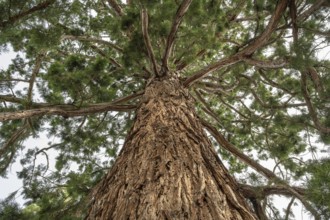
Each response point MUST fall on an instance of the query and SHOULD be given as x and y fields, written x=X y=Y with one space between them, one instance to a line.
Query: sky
x=11 y=183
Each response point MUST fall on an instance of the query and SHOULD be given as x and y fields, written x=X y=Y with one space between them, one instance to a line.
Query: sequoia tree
x=202 y=109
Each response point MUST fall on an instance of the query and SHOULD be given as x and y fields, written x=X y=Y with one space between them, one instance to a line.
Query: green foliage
x=318 y=186
x=10 y=210
x=92 y=57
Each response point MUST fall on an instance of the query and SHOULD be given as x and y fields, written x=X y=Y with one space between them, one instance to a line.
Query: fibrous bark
x=168 y=168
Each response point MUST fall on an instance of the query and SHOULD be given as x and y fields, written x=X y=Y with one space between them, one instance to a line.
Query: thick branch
x=13 y=19
x=293 y=15
x=65 y=112
x=116 y=7
x=210 y=68
x=265 y=36
x=11 y=98
x=264 y=191
x=175 y=26
x=231 y=148
x=127 y=98
x=145 y=23
x=247 y=51
x=318 y=4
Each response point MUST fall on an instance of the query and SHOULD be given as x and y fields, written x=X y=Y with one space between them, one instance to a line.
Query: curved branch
x=175 y=26
x=231 y=148
x=318 y=4
x=14 y=137
x=210 y=68
x=13 y=19
x=263 y=191
x=310 y=106
x=260 y=41
x=146 y=38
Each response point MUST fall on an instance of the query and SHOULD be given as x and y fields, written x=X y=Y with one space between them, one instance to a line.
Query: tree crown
x=254 y=68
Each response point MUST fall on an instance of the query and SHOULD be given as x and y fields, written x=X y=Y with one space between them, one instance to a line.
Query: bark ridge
x=168 y=168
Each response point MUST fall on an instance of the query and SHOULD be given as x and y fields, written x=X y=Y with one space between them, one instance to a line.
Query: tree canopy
x=254 y=67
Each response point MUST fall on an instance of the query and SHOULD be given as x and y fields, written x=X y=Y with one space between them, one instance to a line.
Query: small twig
x=111 y=60
x=92 y=39
x=15 y=137
x=266 y=64
x=311 y=10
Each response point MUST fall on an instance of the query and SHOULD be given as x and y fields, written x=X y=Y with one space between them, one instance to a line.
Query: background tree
x=253 y=67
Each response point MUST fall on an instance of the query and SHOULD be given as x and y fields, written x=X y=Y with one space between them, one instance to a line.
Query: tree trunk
x=168 y=168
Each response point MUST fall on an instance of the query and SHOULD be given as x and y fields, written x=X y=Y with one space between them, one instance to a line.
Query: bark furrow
x=168 y=168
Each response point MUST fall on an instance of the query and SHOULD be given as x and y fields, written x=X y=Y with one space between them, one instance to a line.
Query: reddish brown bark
x=168 y=168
